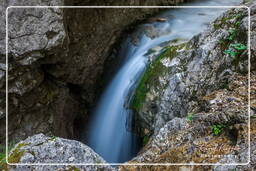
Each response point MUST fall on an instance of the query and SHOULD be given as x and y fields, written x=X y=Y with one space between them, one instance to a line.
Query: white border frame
x=131 y=164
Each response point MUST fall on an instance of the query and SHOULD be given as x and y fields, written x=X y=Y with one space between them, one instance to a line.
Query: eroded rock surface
x=173 y=82
x=213 y=128
x=42 y=149
x=56 y=60
x=200 y=88
x=193 y=140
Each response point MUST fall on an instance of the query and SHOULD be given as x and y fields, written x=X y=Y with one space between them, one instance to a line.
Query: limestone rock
x=42 y=149
x=56 y=59
x=191 y=70
x=192 y=140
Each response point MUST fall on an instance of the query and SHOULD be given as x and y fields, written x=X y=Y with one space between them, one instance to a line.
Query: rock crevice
x=56 y=59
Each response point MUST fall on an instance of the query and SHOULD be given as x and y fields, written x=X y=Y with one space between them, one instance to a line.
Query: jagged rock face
x=193 y=69
x=56 y=57
x=33 y=98
x=178 y=140
x=194 y=140
x=42 y=149
x=217 y=130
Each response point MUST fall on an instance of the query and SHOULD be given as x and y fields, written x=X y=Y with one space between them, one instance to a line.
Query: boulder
x=42 y=149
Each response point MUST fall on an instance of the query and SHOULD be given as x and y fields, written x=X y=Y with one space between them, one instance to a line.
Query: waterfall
x=108 y=133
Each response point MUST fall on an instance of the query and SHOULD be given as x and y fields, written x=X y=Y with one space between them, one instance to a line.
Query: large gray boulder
x=42 y=149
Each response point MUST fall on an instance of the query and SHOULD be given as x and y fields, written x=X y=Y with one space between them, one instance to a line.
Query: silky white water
x=108 y=134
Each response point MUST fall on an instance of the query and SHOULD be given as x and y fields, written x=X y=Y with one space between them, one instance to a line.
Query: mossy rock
x=73 y=168
x=17 y=153
x=14 y=156
x=151 y=76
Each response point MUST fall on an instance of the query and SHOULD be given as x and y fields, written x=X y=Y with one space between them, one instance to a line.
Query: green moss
x=22 y=145
x=14 y=157
x=73 y=168
x=145 y=140
x=225 y=21
x=51 y=94
x=16 y=154
x=3 y=164
x=151 y=76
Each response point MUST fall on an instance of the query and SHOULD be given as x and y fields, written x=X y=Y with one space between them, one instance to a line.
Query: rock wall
x=173 y=82
x=56 y=62
x=214 y=129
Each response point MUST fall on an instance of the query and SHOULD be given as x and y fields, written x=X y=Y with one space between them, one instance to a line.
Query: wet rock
x=202 y=103
x=55 y=62
x=190 y=70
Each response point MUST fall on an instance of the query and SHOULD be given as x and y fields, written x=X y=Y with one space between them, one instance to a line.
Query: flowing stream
x=108 y=132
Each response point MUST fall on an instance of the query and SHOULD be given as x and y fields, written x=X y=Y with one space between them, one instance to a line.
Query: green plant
x=238 y=23
x=3 y=153
x=231 y=53
x=217 y=129
x=235 y=50
x=232 y=34
x=239 y=46
x=53 y=138
x=2 y=157
x=190 y=117
x=145 y=140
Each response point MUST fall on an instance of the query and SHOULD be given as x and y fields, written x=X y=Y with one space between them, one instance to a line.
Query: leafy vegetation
x=217 y=129
x=190 y=117
x=239 y=46
x=231 y=53
x=235 y=51
x=232 y=34
x=235 y=35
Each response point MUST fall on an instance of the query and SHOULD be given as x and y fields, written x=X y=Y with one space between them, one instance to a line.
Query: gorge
x=112 y=114
x=135 y=85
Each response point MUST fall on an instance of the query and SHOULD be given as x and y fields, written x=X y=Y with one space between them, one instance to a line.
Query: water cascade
x=108 y=134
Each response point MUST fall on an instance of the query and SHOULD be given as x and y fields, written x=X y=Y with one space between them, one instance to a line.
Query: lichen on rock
x=42 y=149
